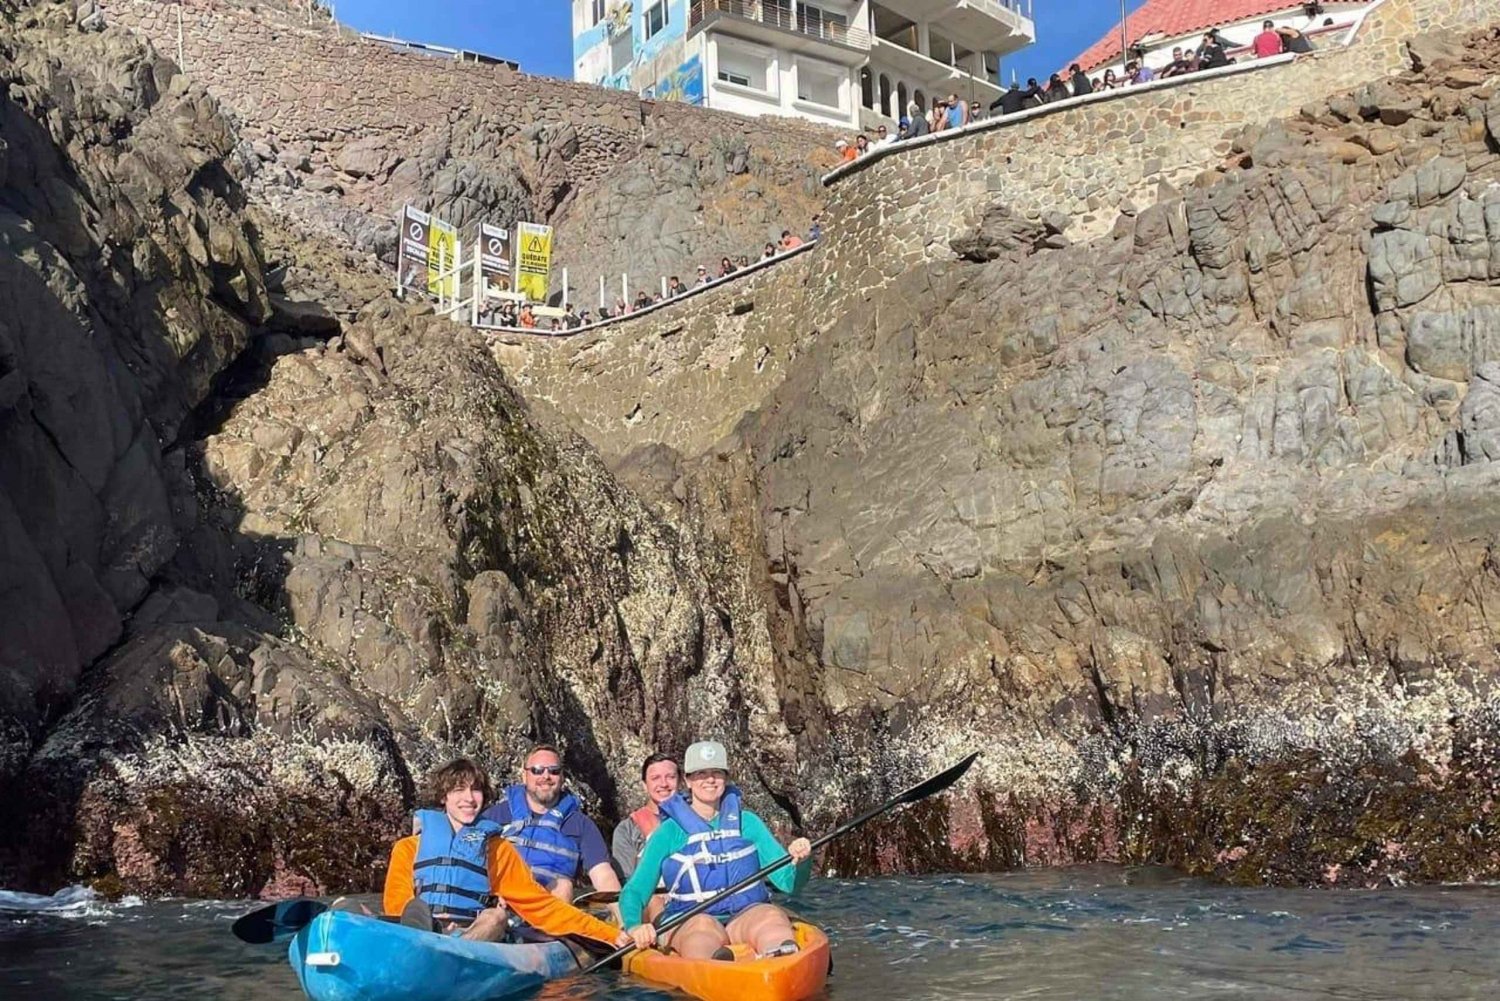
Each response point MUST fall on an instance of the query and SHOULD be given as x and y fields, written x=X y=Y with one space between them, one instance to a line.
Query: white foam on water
x=69 y=902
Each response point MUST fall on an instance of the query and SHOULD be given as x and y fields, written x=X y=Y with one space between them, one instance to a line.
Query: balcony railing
x=781 y=14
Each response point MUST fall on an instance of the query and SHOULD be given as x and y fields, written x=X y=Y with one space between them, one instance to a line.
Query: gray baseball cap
x=705 y=754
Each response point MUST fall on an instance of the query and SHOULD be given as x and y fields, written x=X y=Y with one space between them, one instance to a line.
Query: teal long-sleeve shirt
x=670 y=837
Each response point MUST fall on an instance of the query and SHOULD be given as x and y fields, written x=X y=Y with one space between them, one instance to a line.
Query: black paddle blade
x=938 y=782
x=277 y=922
x=596 y=897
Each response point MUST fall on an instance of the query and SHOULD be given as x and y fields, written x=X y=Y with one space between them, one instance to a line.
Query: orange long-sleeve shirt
x=511 y=881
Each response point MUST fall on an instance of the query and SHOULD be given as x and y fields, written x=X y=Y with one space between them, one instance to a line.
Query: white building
x=849 y=63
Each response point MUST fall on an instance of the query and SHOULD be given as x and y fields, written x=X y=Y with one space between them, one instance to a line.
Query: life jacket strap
x=544 y=846
x=461 y=863
x=458 y=891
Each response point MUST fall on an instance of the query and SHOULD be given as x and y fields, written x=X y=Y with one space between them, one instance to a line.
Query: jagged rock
x=1479 y=417
x=1429 y=182
x=368 y=157
x=295 y=316
x=1435 y=50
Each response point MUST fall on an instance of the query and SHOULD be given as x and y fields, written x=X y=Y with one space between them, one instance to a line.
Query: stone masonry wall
x=1092 y=161
x=680 y=376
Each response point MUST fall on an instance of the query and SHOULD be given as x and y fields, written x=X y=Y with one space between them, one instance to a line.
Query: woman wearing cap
x=706 y=843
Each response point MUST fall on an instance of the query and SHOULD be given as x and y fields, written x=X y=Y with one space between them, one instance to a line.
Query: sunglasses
x=544 y=769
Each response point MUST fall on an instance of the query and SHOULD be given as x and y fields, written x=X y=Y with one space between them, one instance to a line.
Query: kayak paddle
x=596 y=897
x=276 y=922
x=920 y=791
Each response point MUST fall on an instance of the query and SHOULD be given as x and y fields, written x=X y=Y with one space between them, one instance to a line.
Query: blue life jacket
x=712 y=860
x=451 y=870
x=549 y=853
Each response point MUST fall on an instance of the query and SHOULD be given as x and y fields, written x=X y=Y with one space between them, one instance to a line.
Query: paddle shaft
x=917 y=792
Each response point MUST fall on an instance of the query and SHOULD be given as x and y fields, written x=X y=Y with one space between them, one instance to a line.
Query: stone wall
x=1079 y=166
x=1092 y=161
x=341 y=131
x=681 y=375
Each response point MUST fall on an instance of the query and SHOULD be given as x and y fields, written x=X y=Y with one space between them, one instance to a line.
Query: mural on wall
x=617 y=18
x=685 y=83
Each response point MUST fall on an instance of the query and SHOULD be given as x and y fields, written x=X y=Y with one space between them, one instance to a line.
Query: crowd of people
x=952 y=112
x=1211 y=53
x=488 y=868
x=512 y=315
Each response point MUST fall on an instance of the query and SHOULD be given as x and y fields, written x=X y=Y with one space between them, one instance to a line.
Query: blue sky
x=538 y=33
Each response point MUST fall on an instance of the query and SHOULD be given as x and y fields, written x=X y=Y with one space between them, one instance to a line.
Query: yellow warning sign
x=533 y=260
x=442 y=255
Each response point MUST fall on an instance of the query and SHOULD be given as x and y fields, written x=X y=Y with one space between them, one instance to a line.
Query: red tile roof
x=1174 y=18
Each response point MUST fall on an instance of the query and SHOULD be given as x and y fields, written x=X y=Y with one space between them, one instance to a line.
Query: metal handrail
x=782 y=14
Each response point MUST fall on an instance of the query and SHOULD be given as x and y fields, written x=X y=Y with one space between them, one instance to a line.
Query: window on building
x=621 y=50
x=744 y=69
x=598 y=11
x=866 y=89
x=823 y=23
x=817 y=85
x=656 y=17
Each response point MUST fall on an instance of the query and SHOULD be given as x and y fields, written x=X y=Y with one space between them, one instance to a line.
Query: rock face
x=120 y=311
x=1189 y=525
x=649 y=189
x=265 y=564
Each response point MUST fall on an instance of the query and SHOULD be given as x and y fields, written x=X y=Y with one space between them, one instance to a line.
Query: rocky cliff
x=338 y=132
x=263 y=567
x=1189 y=525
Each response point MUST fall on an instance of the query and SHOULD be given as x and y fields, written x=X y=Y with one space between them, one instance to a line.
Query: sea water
x=1085 y=933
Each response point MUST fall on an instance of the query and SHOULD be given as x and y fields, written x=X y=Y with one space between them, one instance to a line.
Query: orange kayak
x=781 y=978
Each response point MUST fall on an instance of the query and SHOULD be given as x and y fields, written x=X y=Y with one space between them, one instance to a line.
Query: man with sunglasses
x=553 y=836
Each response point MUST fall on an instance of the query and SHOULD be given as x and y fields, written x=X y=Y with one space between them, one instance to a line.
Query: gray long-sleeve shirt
x=626 y=846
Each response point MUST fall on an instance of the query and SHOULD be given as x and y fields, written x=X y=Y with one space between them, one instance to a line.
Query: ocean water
x=1086 y=933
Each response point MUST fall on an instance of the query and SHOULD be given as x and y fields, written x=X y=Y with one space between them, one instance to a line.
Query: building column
x=924 y=38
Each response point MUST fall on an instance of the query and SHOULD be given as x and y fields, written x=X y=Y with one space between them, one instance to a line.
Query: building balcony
x=778 y=23
x=929 y=73
x=999 y=26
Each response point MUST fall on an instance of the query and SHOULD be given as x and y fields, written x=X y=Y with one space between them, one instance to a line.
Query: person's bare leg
x=762 y=927
x=489 y=926
x=698 y=938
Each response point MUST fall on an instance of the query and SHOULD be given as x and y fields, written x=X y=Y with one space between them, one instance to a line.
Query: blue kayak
x=341 y=956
